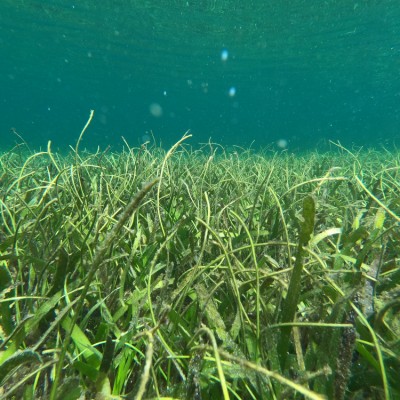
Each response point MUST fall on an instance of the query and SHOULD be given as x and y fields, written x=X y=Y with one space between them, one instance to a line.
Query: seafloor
x=199 y=274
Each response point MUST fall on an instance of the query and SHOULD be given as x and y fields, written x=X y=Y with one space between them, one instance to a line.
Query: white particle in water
x=282 y=143
x=155 y=110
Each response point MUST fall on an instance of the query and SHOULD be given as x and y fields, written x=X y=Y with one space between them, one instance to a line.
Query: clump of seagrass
x=98 y=258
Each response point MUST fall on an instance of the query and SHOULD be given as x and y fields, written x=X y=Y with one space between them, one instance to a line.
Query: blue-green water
x=297 y=73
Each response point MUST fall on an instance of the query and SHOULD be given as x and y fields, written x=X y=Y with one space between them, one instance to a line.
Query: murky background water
x=286 y=74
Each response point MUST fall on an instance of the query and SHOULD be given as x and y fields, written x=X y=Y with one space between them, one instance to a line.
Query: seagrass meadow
x=199 y=274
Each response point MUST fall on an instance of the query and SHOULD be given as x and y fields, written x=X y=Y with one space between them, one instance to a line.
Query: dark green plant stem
x=292 y=297
x=98 y=259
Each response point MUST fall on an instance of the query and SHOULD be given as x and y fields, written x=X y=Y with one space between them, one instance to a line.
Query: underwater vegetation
x=183 y=274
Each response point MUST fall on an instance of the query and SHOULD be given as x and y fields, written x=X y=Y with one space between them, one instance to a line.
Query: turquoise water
x=286 y=74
